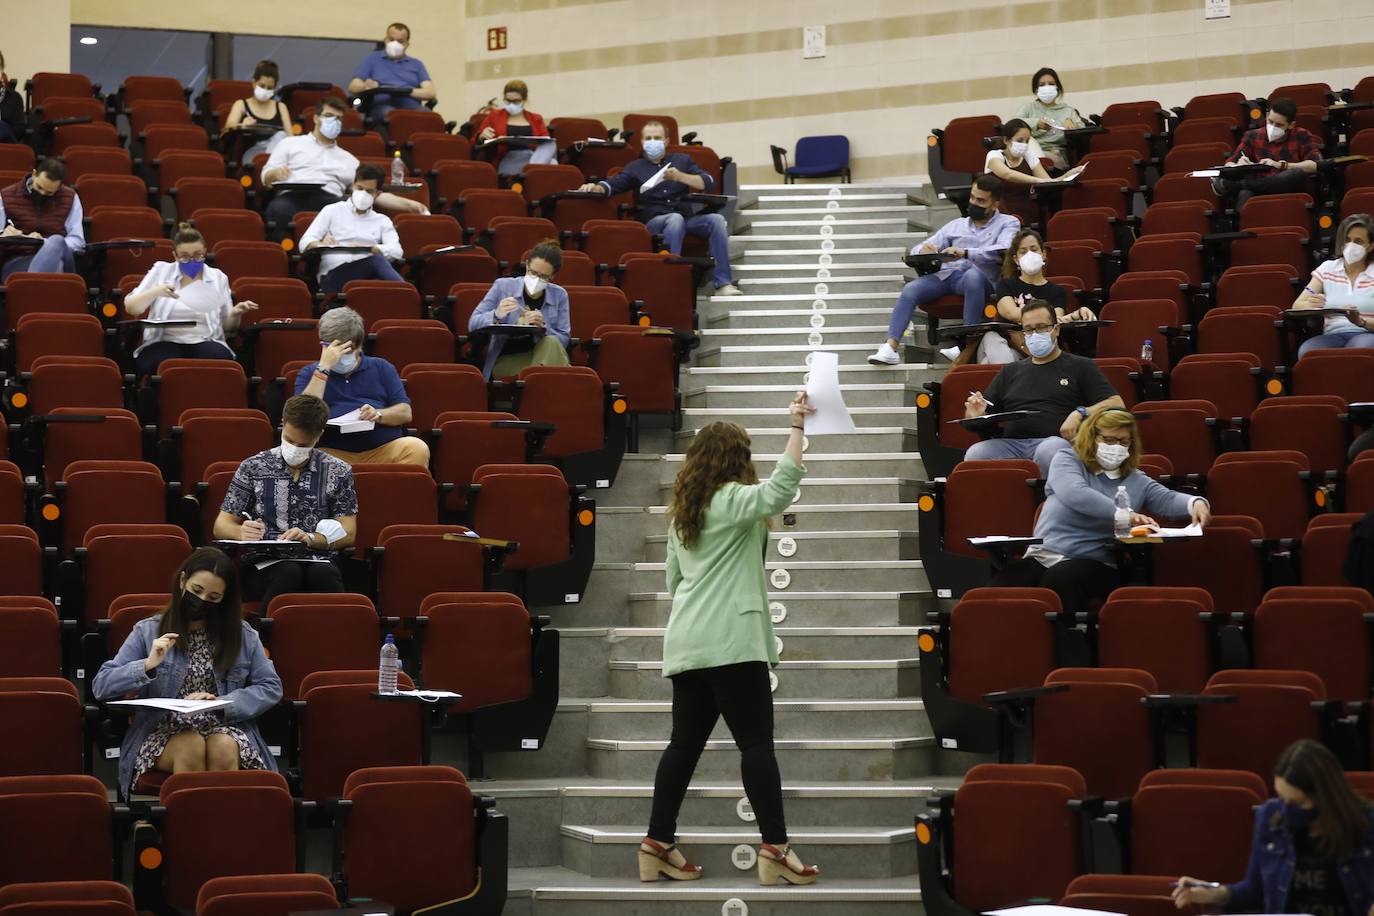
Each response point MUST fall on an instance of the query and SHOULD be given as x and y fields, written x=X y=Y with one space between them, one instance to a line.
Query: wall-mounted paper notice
x=823 y=393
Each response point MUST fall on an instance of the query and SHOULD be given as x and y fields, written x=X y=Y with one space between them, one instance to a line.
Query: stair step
x=858 y=394
x=571 y=894
x=837 y=760
x=797 y=643
x=815 y=575
x=649 y=719
x=890 y=255
x=890 y=282
x=862 y=608
x=916 y=374
x=723 y=353
x=820 y=465
x=841 y=678
x=826 y=320
x=863 y=439
x=860 y=490
x=889 y=209
x=833 y=545
x=848 y=852
x=807 y=240
x=806 y=270
x=865 y=417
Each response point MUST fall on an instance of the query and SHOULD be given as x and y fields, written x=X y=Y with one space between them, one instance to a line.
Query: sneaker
x=886 y=356
x=950 y=353
x=729 y=289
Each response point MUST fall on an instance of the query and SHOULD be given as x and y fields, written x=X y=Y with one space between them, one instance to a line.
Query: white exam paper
x=999 y=539
x=1204 y=173
x=1049 y=910
x=429 y=695
x=1191 y=531
x=655 y=179
x=351 y=422
x=185 y=707
x=823 y=393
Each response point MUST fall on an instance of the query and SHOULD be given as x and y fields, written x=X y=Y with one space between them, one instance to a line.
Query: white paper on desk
x=823 y=393
x=1205 y=173
x=1191 y=531
x=430 y=696
x=1000 y=539
x=656 y=178
x=1049 y=910
x=351 y=422
x=185 y=707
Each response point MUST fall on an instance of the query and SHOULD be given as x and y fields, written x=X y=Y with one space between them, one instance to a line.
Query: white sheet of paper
x=999 y=539
x=1191 y=531
x=352 y=423
x=263 y=541
x=430 y=695
x=186 y=707
x=823 y=393
x=655 y=179
x=1205 y=173
x=1041 y=909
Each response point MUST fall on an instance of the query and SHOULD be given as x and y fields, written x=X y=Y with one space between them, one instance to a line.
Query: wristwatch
x=1082 y=412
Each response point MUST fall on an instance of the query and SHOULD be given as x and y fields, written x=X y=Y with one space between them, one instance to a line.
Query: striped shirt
x=1342 y=294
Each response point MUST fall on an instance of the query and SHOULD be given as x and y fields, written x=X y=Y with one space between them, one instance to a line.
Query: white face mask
x=395 y=49
x=1047 y=93
x=514 y=108
x=331 y=127
x=1019 y=149
x=294 y=455
x=1111 y=456
x=1354 y=252
x=261 y=94
x=1275 y=133
x=361 y=200
x=1032 y=262
x=535 y=285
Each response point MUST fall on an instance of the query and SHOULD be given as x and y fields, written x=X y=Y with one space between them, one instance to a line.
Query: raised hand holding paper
x=823 y=393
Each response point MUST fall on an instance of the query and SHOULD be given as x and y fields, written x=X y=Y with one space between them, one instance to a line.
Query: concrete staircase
x=820 y=266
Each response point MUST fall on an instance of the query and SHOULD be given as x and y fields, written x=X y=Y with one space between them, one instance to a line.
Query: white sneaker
x=729 y=289
x=886 y=356
x=950 y=353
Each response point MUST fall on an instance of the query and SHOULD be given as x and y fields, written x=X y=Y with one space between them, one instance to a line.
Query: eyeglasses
x=192 y=256
x=1036 y=329
x=1114 y=440
x=537 y=275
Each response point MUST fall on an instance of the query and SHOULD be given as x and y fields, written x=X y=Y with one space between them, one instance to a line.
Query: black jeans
x=151 y=356
x=1076 y=582
x=741 y=693
x=373 y=267
x=1363 y=441
x=290 y=576
x=283 y=207
x=1289 y=181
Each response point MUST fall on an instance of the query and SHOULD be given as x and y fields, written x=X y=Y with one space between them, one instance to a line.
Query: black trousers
x=283 y=208
x=1076 y=582
x=1363 y=441
x=1289 y=181
x=741 y=693
x=151 y=356
x=290 y=576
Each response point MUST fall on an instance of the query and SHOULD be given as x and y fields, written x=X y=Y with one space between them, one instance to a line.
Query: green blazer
x=720 y=595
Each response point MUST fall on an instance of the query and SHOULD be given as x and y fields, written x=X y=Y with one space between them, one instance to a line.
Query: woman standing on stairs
x=719 y=645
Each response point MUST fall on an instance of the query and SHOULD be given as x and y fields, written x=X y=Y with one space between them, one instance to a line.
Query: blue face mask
x=346 y=364
x=654 y=149
x=1040 y=344
x=191 y=269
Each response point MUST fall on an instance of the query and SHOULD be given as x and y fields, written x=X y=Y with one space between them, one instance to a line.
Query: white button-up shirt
x=349 y=227
x=314 y=162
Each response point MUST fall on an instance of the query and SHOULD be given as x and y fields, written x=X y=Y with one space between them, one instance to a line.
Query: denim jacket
x=251 y=684
x=1268 y=878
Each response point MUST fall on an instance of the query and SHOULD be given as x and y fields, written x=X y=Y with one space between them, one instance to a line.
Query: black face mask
x=977 y=213
x=195 y=608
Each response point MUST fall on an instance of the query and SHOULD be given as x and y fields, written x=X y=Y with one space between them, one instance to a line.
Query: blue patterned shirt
x=263 y=488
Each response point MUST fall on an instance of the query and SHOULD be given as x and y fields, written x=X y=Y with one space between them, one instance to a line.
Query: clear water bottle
x=398 y=169
x=1122 y=520
x=1147 y=351
x=387 y=665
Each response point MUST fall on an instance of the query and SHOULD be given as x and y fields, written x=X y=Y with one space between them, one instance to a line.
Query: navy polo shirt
x=402 y=71
x=374 y=382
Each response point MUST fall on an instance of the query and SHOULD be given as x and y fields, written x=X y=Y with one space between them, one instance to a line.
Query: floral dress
x=200 y=678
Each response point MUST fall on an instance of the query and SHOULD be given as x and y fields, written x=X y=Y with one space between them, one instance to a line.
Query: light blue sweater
x=1080 y=507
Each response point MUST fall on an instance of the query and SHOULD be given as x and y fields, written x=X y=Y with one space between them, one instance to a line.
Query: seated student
x=185 y=290
x=355 y=222
x=1023 y=279
x=533 y=300
x=317 y=158
x=294 y=492
x=1290 y=152
x=391 y=66
x=1078 y=518
x=1015 y=164
x=41 y=206
x=976 y=242
x=1048 y=114
x=261 y=109
x=1312 y=849
x=11 y=108
x=1062 y=387
x=198 y=648
x=348 y=381
x=664 y=208
x=1346 y=282
x=513 y=120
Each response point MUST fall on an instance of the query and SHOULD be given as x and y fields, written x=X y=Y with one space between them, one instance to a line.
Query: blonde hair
x=719 y=454
x=1110 y=419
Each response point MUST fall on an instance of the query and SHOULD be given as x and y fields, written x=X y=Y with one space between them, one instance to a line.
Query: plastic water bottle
x=1147 y=351
x=1121 y=522
x=398 y=170
x=386 y=667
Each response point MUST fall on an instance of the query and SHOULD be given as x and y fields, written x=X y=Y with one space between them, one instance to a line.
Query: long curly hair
x=719 y=454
